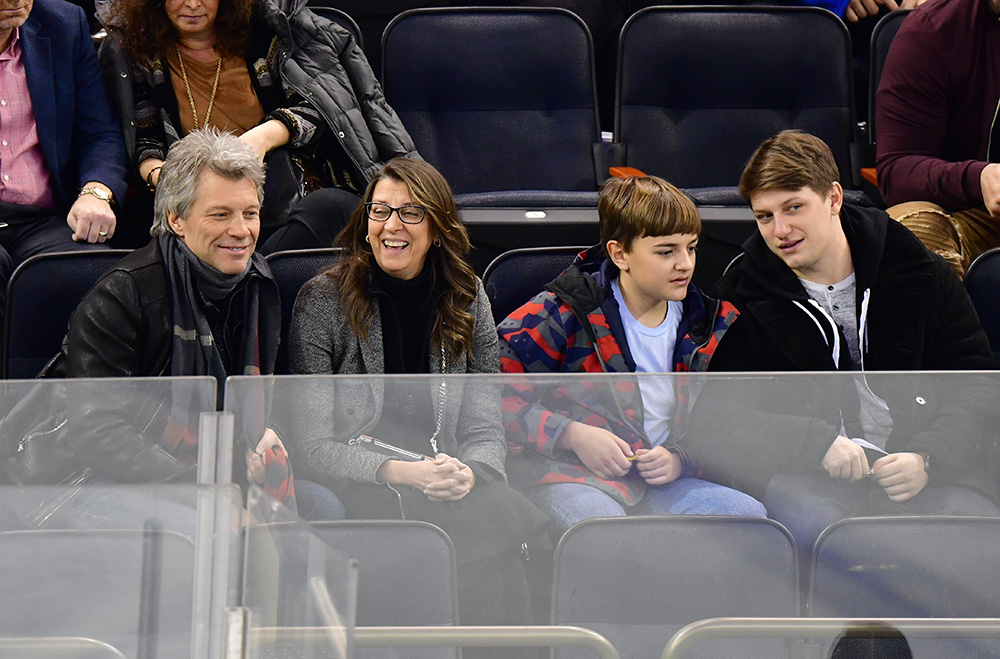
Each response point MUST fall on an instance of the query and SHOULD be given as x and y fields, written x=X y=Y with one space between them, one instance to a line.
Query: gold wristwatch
x=99 y=193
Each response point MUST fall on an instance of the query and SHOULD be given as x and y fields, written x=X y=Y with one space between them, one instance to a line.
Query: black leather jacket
x=122 y=328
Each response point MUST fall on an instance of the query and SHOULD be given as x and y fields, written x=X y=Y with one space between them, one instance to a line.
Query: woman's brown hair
x=148 y=33
x=453 y=322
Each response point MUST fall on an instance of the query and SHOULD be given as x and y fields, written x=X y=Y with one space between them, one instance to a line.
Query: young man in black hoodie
x=824 y=286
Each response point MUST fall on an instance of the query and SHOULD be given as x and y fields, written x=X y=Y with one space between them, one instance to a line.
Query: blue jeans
x=317 y=503
x=569 y=503
x=808 y=503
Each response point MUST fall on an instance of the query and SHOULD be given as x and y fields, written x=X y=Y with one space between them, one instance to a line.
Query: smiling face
x=399 y=249
x=655 y=270
x=223 y=224
x=193 y=19
x=802 y=227
x=13 y=14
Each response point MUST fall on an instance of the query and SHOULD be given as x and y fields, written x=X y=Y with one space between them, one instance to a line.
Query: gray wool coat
x=332 y=412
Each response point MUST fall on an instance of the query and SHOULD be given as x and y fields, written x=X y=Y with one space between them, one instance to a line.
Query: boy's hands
x=600 y=450
x=657 y=465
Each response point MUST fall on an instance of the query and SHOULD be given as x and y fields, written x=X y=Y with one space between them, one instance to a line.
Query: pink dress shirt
x=24 y=178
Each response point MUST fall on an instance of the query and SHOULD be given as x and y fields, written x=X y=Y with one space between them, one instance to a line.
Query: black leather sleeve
x=110 y=336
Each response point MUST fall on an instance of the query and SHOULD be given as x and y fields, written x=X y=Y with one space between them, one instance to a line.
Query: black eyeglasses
x=409 y=214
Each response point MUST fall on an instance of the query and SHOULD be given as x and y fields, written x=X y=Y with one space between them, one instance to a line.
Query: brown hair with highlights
x=639 y=206
x=453 y=323
x=790 y=160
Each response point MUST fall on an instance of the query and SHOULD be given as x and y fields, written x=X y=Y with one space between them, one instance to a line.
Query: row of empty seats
x=503 y=101
x=635 y=581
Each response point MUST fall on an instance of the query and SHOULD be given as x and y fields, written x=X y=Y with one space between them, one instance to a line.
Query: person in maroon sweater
x=936 y=107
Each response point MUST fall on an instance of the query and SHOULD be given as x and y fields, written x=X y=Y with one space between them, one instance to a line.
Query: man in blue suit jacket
x=62 y=158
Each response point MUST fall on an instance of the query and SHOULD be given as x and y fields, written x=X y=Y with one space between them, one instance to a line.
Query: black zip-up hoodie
x=914 y=315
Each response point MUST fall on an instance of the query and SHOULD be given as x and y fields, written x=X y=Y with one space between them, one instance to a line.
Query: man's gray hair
x=206 y=149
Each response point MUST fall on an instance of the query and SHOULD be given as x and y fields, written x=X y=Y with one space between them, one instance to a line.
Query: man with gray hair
x=196 y=301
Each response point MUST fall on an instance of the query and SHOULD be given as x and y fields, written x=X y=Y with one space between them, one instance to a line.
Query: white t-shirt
x=653 y=351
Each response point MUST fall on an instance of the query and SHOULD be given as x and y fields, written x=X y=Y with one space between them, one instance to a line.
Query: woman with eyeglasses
x=403 y=300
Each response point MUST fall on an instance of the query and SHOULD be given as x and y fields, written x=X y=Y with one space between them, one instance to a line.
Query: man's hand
x=901 y=475
x=600 y=450
x=846 y=460
x=657 y=465
x=858 y=9
x=91 y=219
x=989 y=181
x=255 y=460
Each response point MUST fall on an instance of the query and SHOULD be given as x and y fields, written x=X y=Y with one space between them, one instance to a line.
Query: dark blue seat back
x=515 y=277
x=882 y=36
x=908 y=567
x=293 y=268
x=131 y=589
x=41 y=296
x=982 y=281
x=911 y=567
x=407 y=577
x=496 y=98
x=638 y=580
x=342 y=19
x=699 y=88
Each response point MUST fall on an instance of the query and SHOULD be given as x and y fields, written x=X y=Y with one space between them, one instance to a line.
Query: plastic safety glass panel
x=95 y=570
x=102 y=430
x=299 y=594
x=810 y=448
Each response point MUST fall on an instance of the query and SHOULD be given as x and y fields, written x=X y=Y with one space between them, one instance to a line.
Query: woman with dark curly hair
x=294 y=86
x=403 y=300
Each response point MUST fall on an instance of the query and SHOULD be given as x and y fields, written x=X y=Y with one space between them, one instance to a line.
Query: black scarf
x=190 y=284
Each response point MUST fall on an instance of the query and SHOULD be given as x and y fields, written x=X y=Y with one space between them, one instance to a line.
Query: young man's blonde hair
x=791 y=160
x=639 y=206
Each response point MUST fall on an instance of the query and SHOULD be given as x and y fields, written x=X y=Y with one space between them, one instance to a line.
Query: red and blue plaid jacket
x=574 y=326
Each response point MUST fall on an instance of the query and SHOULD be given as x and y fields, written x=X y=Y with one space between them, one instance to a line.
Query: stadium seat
x=699 y=88
x=131 y=589
x=885 y=31
x=407 y=578
x=516 y=276
x=41 y=295
x=500 y=100
x=293 y=268
x=637 y=580
x=982 y=281
x=340 y=18
x=911 y=567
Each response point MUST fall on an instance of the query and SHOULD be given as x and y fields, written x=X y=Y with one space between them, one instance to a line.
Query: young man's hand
x=601 y=451
x=901 y=475
x=846 y=460
x=989 y=182
x=657 y=465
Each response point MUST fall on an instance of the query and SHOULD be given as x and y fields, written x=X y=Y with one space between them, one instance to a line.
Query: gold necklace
x=187 y=88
